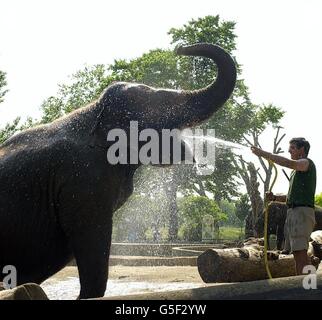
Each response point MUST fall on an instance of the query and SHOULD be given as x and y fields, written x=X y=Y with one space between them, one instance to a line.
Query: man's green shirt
x=301 y=191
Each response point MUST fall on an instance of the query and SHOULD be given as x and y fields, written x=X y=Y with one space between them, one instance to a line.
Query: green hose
x=266 y=222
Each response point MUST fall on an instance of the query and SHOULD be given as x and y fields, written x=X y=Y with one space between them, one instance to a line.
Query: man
x=300 y=218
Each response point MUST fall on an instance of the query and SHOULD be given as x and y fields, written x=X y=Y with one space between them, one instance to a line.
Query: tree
x=10 y=128
x=15 y=126
x=240 y=120
x=192 y=210
x=318 y=199
x=157 y=68
x=230 y=122
x=242 y=209
x=229 y=208
x=233 y=120
x=3 y=84
x=264 y=117
x=161 y=68
x=85 y=86
x=135 y=217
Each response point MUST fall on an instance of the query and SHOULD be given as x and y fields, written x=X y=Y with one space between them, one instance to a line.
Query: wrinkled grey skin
x=57 y=190
x=275 y=225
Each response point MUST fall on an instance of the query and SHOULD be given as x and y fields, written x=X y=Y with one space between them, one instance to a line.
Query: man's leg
x=301 y=260
x=302 y=223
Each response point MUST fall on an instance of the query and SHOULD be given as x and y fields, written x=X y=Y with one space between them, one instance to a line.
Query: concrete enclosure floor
x=125 y=280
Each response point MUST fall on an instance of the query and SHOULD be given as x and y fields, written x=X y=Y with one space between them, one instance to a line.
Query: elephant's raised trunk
x=165 y=108
x=193 y=107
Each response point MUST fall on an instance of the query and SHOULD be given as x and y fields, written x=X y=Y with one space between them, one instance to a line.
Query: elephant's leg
x=280 y=236
x=268 y=238
x=91 y=252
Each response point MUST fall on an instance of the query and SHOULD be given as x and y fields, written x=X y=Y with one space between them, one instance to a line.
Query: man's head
x=299 y=148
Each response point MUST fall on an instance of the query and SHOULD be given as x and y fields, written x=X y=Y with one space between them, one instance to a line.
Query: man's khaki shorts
x=298 y=227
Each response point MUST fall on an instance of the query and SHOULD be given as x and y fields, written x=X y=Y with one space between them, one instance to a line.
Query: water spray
x=232 y=145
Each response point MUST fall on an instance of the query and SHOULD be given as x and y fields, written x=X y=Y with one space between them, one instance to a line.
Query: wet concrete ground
x=124 y=280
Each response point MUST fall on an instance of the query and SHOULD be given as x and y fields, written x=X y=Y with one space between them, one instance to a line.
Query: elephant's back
x=27 y=194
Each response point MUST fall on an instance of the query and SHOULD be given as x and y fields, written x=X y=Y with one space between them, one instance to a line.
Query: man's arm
x=298 y=165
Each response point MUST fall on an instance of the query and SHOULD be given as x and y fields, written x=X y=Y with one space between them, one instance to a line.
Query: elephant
x=277 y=212
x=276 y=220
x=58 y=191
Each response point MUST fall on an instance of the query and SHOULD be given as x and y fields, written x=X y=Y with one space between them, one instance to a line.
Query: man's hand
x=259 y=152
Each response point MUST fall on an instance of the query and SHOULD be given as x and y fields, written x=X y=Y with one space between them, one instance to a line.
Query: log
x=243 y=264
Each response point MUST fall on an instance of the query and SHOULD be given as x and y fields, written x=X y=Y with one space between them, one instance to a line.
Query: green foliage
x=9 y=130
x=263 y=116
x=199 y=72
x=208 y=29
x=156 y=68
x=52 y=109
x=221 y=182
x=29 y=123
x=231 y=233
x=162 y=68
x=13 y=127
x=228 y=207
x=242 y=208
x=230 y=121
x=3 y=83
x=318 y=199
x=239 y=116
x=85 y=86
x=192 y=209
x=162 y=234
x=138 y=218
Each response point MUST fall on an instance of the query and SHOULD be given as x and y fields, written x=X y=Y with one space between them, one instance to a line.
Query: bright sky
x=279 y=46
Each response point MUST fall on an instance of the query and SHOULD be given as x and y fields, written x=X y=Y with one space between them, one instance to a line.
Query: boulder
x=28 y=291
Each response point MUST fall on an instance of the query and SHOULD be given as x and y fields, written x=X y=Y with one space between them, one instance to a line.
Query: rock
x=316 y=242
x=28 y=291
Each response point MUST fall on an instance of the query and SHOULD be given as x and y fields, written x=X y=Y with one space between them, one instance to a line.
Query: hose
x=266 y=221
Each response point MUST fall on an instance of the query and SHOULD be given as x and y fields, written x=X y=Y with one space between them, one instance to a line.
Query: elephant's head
x=165 y=108
x=160 y=109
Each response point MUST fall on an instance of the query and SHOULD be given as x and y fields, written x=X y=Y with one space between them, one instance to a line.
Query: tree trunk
x=254 y=195
x=248 y=173
x=243 y=264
